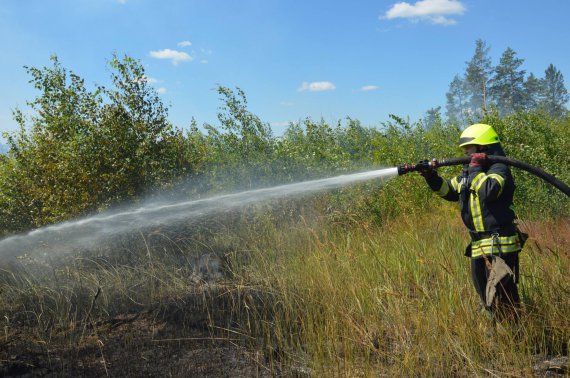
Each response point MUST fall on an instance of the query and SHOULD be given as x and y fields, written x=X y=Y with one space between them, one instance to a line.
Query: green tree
x=477 y=76
x=432 y=117
x=533 y=89
x=456 y=101
x=507 y=84
x=555 y=95
x=83 y=149
x=356 y=140
x=242 y=145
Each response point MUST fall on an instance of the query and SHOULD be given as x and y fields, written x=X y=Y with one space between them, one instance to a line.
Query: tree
x=555 y=95
x=242 y=141
x=432 y=117
x=507 y=84
x=82 y=150
x=356 y=140
x=477 y=77
x=456 y=101
x=533 y=89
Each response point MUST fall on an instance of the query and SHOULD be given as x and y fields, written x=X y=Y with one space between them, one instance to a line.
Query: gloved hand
x=479 y=159
x=425 y=169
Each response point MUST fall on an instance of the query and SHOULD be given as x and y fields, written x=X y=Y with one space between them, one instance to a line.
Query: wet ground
x=195 y=336
x=135 y=345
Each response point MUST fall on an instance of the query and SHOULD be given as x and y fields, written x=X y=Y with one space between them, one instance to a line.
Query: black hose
x=512 y=162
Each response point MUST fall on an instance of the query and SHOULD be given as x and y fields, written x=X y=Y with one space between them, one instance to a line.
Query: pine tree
x=477 y=77
x=533 y=89
x=555 y=95
x=432 y=117
x=456 y=101
x=507 y=84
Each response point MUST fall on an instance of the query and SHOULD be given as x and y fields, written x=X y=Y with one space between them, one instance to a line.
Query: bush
x=544 y=142
x=84 y=150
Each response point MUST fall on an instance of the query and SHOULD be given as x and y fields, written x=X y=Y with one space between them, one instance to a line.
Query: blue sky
x=294 y=59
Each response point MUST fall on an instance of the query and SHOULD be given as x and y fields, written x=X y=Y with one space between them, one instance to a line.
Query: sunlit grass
x=349 y=300
x=399 y=299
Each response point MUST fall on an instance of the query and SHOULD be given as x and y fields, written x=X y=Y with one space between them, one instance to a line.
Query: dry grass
x=360 y=300
x=398 y=299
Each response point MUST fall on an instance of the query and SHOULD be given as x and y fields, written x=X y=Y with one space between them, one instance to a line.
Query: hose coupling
x=424 y=165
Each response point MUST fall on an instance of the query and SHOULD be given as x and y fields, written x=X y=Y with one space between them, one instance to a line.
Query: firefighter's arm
x=446 y=189
x=488 y=186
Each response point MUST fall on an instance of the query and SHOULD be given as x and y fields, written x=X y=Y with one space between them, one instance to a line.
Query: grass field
x=302 y=298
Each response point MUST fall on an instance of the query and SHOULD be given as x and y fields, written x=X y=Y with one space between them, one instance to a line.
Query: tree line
x=505 y=87
x=85 y=149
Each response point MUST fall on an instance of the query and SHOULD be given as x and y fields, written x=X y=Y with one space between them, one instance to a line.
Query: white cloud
x=367 y=88
x=316 y=86
x=434 y=11
x=184 y=44
x=440 y=20
x=204 y=61
x=175 y=56
x=161 y=90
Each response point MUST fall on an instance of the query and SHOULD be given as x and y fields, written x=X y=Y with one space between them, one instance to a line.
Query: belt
x=510 y=231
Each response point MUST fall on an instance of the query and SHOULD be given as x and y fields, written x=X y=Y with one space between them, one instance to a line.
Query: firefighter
x=485 y=194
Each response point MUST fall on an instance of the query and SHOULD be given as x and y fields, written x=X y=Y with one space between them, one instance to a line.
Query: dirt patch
x=172 y=340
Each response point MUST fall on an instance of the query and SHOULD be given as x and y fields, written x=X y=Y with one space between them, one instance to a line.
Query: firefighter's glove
x=425 y=169
x=479 y=159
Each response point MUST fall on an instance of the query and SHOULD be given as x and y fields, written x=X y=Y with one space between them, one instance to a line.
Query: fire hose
x=424 y=165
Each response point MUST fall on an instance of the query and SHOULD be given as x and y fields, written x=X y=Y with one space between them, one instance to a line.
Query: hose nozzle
x=424 y=165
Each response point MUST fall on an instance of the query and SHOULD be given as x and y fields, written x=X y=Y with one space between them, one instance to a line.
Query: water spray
x=564 y=188
x=90 y=231
x=68 y=237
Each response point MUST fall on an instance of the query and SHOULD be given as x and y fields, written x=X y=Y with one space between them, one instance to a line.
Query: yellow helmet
x=480 y=134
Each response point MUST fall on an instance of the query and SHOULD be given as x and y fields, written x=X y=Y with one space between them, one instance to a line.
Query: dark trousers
x=507 y=297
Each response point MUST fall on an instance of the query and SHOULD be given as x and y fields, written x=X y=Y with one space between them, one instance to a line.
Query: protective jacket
x=485 y=196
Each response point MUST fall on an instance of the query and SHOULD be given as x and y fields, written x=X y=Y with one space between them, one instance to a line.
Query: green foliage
x=313 y=149
x=83 y=150
x=507 y=85
x=555 y=95
x=533 y=89
x=477 y=77
x=241 y=148
x=456 y=104
x=541 y=141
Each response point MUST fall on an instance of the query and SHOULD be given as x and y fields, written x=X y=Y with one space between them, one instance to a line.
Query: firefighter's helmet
x=479 y=134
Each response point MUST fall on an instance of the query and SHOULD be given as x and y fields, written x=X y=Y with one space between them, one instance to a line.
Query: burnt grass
x=210 y=326
x=213 y=327
x=199 y=335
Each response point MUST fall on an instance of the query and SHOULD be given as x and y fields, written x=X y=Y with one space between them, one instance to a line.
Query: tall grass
x=345 y=299
x=398 y=299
